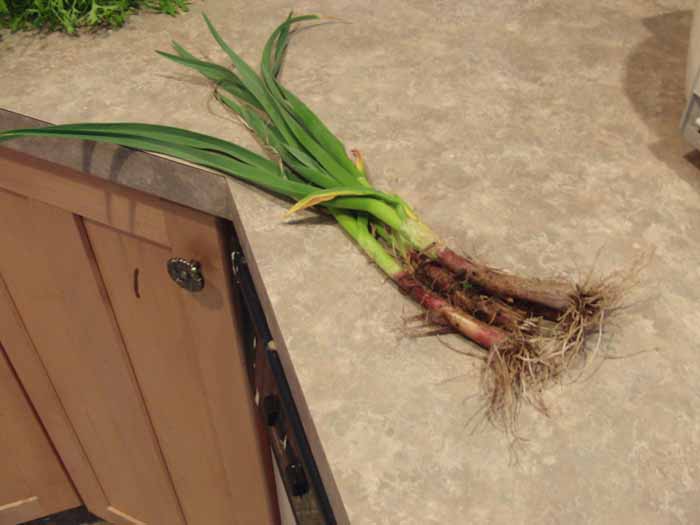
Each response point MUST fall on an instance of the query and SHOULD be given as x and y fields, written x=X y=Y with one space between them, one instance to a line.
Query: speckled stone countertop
x=540 y=134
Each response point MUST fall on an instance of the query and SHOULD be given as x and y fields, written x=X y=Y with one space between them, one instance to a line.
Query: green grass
x=70 y=15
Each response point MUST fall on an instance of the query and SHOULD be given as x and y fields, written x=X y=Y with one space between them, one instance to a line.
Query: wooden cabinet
x=33 y=482
x=140 y=383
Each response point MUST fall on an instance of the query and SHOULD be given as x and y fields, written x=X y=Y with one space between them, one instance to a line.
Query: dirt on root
x=543 y=345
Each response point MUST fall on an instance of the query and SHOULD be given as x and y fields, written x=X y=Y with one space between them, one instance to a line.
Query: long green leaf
x=310 y=174
x=224 y=78
x=320 y=132
x=322 y=196
x=307 y=160
x=270 y=69
x=172 y=135
x=253 y=174
x=356 y=227
x=230 y=83
x=344 y=176
x=210 y=70
x=280 y=49
x=267 y=135
x=296 y=159
x=319 y=154
x=262 y=129
x=386 y=213
x=253 y=83
x=269 y=64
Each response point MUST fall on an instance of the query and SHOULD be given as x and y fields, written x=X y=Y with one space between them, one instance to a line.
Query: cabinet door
x=32 y=480
x=54 y=283
x=165 y=414
x=189 y=363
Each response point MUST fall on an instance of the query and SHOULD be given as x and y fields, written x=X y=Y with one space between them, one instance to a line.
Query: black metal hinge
x=307 y=495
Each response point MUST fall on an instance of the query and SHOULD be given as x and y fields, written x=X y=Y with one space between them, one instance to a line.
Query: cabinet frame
x=98 y=205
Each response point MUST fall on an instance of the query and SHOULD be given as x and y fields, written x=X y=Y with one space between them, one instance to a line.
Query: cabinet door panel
x=37 y=384
x=187 y=356
x=32 y=480
x=49 y=270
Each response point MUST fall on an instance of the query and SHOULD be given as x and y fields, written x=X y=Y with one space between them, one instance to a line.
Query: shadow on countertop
x=655 y=85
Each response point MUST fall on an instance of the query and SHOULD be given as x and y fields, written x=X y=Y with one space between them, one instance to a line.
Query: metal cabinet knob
x=187 y=274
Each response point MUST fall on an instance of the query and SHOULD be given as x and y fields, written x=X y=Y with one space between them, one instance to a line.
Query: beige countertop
x=542 y=135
